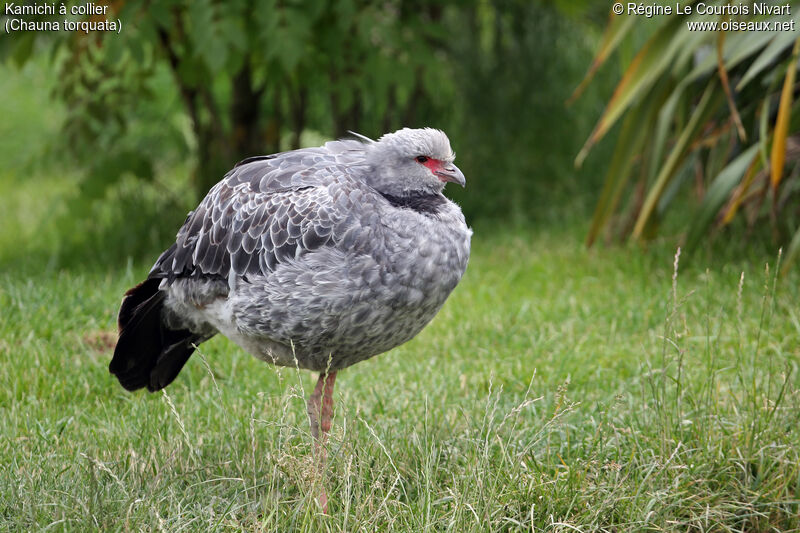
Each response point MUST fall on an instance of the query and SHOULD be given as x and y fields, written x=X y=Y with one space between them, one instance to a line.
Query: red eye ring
x=421 y=159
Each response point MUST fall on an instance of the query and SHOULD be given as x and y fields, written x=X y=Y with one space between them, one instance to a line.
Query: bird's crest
x=360 y=137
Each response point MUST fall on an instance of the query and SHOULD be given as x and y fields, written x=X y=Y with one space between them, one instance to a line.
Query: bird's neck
x=423 y=203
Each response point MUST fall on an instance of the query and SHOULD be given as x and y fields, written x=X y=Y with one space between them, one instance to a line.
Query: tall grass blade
x=667 y=115
x=740 y=46
x=780 y=42
x=618 y=27
x=719 y=190
x=778 y=154
x=791 y=252
x=707 y=104
x=723 y=76
x=619 y=171
x=741 y=190
x=643 y=72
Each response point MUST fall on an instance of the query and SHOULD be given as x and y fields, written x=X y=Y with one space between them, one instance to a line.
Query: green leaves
x=717 y=91
x=247 y=76
x=110 y=168
x=777 y=45
x=629 y=146
x=203 y=28
x=678 y=153
x=778 y=155
x=719 y=191
x=618 y=27
x=644 y=70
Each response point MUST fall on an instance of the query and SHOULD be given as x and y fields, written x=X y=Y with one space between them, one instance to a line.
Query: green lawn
x=558 y=389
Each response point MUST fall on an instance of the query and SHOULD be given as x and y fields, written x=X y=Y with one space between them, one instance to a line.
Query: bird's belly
x=332 y=311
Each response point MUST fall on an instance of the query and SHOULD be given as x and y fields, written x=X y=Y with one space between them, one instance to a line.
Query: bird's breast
x=427 y=257
x=350 y=304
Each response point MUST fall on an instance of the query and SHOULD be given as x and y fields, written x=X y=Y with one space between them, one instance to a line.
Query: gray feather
x=345 y=250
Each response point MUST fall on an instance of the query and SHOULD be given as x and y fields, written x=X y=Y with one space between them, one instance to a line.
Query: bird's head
x=411 y=162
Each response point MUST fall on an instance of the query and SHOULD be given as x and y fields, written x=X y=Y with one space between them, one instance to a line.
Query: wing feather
x=269 y=210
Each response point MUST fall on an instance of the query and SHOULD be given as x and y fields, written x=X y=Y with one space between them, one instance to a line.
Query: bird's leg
x=320 y=409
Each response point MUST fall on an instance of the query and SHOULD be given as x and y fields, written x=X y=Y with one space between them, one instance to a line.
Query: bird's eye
x=421 y=159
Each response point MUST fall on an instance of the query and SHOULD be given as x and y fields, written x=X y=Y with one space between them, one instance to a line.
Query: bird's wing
x=273 y=209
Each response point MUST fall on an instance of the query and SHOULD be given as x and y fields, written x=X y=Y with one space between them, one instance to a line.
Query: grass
x=559 y=389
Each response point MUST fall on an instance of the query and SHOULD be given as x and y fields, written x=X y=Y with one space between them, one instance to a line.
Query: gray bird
x=317 y=258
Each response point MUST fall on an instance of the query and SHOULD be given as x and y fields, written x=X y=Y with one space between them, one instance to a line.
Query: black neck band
x=426 y=204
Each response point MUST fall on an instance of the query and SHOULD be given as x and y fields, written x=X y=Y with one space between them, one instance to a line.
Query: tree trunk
x=218 y=149
x=297 y=101
x=213 y=160
x=245 y=116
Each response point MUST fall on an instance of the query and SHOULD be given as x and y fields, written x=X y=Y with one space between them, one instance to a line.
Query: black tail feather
x=148 y=353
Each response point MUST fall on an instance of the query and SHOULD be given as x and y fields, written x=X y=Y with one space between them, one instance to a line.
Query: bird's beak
x=451 y=174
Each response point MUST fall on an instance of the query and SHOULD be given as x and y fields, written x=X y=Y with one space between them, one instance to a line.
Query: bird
x=316 y=258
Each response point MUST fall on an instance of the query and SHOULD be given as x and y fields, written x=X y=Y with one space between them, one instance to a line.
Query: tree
x=247 y=73
x=191 y=87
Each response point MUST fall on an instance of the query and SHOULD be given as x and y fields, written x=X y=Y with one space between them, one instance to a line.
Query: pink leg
x=320 y=409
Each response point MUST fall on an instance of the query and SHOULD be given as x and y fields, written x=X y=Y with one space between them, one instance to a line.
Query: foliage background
x=188 y=88
x=708 y=116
